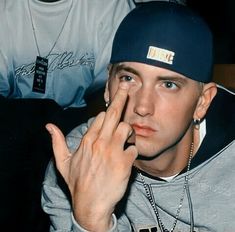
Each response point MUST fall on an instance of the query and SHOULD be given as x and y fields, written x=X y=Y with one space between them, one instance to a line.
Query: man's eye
x=126 y=78
x=170 y=85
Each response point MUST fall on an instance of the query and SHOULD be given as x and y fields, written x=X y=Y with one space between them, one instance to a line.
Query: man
x=161 y=158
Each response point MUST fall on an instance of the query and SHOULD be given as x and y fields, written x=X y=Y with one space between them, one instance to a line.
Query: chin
x=146 y=147
x=147 y=150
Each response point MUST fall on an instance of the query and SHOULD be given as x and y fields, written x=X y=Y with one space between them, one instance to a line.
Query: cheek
x=173 y=117
x=180 y=107
x=176 y=123
x=176 y=117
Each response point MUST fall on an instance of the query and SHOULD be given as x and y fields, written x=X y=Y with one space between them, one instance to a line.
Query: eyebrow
x=172 y=78
x=123 y=67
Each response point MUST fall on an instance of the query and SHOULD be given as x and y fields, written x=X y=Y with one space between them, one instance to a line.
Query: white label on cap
x=160 y=54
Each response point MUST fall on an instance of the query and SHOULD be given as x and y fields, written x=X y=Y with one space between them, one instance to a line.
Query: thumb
x=60 y=149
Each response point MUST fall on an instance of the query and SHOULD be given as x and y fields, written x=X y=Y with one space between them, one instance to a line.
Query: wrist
x=77 y=227
x=94 y=222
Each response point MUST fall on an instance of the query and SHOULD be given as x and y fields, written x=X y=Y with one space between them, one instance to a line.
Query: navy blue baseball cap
x=166 y=35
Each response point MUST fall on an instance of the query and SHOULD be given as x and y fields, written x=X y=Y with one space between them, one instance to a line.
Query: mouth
x=142 y=130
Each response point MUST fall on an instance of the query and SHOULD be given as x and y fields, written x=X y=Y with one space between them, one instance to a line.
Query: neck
x=49 y=1
x=173 y=160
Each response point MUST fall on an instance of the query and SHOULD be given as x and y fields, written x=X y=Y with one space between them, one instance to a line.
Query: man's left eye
x=170 y=85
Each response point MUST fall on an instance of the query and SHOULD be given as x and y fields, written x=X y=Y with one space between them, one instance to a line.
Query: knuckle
x=123 y=129
x=98 y=145
x=86 y=140
x=113 y=112
x=124 y=126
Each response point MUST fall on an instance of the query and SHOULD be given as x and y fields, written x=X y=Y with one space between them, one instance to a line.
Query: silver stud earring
x=107 y=104
x=196 y=123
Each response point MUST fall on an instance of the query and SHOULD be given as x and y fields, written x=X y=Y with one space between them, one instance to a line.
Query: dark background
x=220 y=16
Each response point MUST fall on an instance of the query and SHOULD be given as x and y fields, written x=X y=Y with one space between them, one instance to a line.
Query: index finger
x=114 y=112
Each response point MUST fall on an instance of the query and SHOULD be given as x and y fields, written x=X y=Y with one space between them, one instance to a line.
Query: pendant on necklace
x=40 y=74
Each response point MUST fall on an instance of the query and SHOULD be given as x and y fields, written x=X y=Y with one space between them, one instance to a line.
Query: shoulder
x=74 y=138
x=112 y=9
x=113 y=4
x=12 y=5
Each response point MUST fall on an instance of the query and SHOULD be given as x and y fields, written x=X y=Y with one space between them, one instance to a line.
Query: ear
x=208 y=93
x=106 y=92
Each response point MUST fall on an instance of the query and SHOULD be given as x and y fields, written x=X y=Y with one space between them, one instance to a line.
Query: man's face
x=160 y=106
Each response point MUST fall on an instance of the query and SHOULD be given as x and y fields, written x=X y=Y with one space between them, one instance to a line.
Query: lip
x=142 y=130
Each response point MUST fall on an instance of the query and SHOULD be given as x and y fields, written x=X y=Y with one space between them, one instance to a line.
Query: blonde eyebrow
x=172 y=78
x=123 y=67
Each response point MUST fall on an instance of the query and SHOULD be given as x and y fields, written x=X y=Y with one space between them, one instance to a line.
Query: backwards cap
x=166 y=35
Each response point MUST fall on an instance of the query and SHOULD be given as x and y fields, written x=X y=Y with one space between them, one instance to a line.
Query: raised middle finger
x=114 y=112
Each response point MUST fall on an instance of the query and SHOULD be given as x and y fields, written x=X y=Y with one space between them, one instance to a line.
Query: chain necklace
x=41 y=63
x=58 y=36
x=150 y=196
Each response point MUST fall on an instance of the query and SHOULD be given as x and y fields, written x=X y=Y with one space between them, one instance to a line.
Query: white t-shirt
x=80 y=55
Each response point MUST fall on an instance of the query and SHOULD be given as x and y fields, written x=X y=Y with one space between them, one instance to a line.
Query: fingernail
x=130 y=133
x=68 y=157
x=50 y=129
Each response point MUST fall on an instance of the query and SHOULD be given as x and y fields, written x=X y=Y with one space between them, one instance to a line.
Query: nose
x=144 y=102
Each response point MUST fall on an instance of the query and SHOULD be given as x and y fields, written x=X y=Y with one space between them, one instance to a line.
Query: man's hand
x=97 y=174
